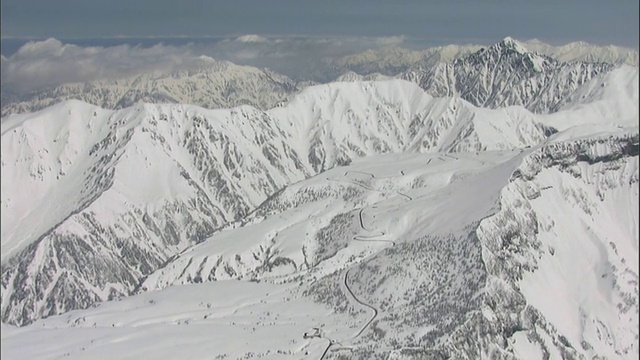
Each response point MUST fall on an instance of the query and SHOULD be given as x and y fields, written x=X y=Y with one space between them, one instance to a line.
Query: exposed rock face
x=554 y=228
x=507 y=74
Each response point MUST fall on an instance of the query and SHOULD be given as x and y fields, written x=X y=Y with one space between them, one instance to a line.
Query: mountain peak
x=512 y=44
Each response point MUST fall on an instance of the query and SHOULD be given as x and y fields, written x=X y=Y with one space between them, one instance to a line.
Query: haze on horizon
x=437 y=22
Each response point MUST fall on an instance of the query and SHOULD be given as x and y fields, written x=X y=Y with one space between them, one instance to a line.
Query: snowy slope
x=566 y=240
x=208 y=83
x=135 y=187
x=226 y=319
x=388 y=258
x=394 y=61
x=582 y=51
x=610 y=98
x=124 y=191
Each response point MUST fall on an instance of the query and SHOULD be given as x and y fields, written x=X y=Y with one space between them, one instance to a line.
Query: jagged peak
x=512 y=44
x=507 y=45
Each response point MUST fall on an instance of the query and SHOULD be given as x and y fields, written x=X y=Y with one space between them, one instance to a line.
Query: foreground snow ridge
x=359 y=220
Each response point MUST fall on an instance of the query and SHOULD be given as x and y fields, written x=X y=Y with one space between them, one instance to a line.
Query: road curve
x=327 y=349
x=370 y=238
x=409 y=198
x=375 y=311
x=359 y=172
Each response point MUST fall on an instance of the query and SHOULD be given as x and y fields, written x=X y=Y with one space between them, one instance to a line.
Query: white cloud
x=252 y=39
x=49 y=63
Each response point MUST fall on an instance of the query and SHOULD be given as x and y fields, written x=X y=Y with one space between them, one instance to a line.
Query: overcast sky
x=452 y=21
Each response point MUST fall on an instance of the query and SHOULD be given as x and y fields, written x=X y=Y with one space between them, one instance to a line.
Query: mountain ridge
x=219 y=84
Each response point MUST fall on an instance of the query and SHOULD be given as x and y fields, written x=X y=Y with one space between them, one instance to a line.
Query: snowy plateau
x=483 y=208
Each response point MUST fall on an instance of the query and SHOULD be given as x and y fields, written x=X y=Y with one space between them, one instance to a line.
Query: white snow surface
x=583 y=51
x=360 y=219
x=407 y=198
x=50 y=152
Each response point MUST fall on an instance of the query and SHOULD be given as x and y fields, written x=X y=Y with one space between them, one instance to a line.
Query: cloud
x=40 y=64
x=252 y=39
x=50 y=62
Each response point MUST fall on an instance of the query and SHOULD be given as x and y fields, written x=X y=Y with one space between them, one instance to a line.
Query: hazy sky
x=554 y=21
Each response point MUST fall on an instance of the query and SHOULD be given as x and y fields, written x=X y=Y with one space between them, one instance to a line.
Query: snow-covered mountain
x=351 y=76
x=394 y=61
x=91 y=168
x=394 y=222
x=208 y=83
x=124 y=191
x=507 y=74
x=510 y=72
x=389 y=258
x=585 y=52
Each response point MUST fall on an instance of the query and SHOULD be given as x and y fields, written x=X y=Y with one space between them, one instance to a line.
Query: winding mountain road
x=359 y=172
x=369 y=306
x=409 y=198
x=370 y=238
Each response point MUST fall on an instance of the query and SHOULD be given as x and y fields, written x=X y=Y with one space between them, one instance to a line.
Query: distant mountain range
x=395 y=61
x=486 y=79
x=210 y=83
